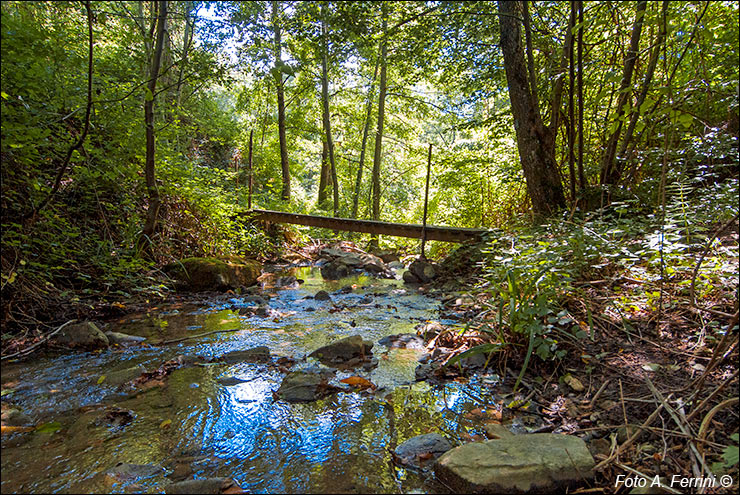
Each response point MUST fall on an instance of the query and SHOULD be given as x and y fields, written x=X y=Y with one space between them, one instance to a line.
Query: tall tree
x=280 y=83
x=365 y=132
x=149 y=164
x=540 y=170
x=326 y=115
x=611 y=171
x=381 y=115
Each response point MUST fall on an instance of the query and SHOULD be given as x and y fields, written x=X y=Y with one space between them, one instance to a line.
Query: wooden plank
x=446 y=234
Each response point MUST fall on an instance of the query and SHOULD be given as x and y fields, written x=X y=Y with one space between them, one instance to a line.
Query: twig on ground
x=708 y=418
x=694 y=453
x=45 y=339
x=598 y=393
x=711 y=396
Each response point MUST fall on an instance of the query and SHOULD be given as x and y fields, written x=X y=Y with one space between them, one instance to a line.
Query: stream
x=222 y=420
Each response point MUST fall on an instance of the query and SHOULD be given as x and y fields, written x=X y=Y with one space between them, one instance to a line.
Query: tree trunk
x=610 y=171
x=540 y=171
x=325 y=106
x=365 y=132
x=652 y=64
x=151 y=181
x=571 y=109
x=557 y=92
x=187 y=39
x=581 y=176
x=381 y=116
x=324 y=175
x=285 y=167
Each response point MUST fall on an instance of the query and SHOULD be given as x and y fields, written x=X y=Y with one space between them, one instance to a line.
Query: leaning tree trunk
x=284 y=164
x=151 y=181
x=540 y=170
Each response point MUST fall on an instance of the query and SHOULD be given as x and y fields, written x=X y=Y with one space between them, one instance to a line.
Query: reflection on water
x=197 y=427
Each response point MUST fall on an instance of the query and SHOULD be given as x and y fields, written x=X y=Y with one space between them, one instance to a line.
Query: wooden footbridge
x=428 y=232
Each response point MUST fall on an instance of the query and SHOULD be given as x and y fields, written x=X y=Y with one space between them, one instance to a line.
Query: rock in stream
x=535 y=463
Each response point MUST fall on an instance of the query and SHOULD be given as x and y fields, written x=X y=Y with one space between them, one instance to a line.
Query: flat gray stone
x=322 y=295
x=124 y=339
x=344 y=351
x=536 y=463
x=421 y=449
x=124 y=471
x=122 y=376
x=403 y=340
x=305 y=386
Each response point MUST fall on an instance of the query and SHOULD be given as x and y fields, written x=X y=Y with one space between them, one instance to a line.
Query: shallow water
x=198 y=427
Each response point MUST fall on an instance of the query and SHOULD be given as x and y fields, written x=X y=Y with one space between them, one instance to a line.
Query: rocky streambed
x=308 y=384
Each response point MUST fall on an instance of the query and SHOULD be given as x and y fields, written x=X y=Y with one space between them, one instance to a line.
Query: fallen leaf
x=359 y=382
x=101 y=379
x=165 y=424
x=14 y=429
x=50 y=427
x=573 y=383
x=425 y=456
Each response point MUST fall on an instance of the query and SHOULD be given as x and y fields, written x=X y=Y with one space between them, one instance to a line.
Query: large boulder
x=420 y=272
x=335 y=269
x=213 y=274
x=348 y=351
x=85 y=335
x=536 y=463
x=343 y=264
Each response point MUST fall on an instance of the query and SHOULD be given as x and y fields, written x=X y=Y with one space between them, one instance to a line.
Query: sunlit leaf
x=50 y=427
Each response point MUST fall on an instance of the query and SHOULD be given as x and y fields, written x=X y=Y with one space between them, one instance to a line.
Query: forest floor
x=654 y=392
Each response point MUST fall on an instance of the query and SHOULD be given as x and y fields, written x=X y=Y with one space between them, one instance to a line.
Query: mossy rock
x=213 y=274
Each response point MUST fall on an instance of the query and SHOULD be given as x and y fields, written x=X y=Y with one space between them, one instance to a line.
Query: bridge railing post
x=426 y=200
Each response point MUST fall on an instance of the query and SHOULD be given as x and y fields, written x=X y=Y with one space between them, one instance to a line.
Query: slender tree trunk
x=530 y=59
x=557 y=92
x=610 y=170
x=284 y=164
x=324 y=175
x=571 y=110
x=149 y=165
x=540 y=170
x=581 y=176
x=325 y=105
x=365 y=132
x=187 y=40
x=381 y=116
x=652 y=64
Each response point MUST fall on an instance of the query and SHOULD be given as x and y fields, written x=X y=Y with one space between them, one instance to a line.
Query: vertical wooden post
x=426 y=200
x=249 y=200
